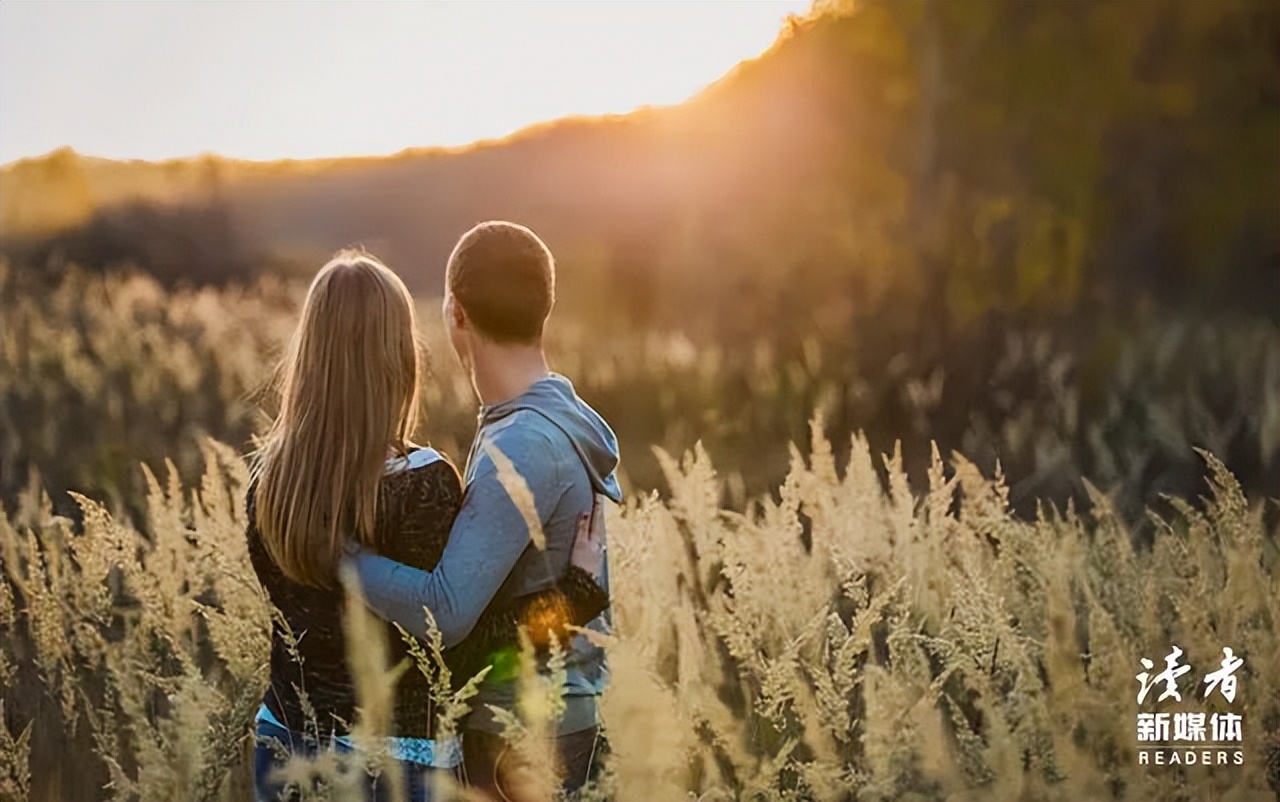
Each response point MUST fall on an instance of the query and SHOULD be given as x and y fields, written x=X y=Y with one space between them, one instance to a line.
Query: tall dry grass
x=834 y=641
x=101 y=372
x=784 y=629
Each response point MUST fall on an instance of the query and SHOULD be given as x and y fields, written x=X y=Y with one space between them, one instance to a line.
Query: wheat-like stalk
x=843 y=639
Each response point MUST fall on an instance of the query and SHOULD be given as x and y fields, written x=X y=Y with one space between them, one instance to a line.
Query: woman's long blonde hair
x=348 y=397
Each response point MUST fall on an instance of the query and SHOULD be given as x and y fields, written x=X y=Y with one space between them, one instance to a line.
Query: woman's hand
x=589 y=544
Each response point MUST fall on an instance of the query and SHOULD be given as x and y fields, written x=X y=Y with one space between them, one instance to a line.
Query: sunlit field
x=835 y=632
x=940 y=340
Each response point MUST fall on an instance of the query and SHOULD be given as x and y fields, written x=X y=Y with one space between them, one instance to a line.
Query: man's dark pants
x=492 y=766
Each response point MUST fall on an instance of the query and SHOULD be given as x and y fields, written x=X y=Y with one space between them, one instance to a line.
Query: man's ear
x=454 y=314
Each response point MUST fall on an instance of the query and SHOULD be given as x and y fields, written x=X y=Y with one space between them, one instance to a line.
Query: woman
x=337 y=463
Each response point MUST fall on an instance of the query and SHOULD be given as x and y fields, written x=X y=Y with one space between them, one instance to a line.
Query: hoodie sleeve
x=487 y=538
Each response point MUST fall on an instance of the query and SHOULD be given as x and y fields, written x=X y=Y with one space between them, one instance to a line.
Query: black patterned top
x=416 y=508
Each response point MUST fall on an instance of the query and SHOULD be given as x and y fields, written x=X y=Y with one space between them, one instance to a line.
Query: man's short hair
x=504 y=277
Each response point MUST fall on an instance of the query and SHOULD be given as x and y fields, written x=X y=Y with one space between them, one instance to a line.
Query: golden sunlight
x=292 y=80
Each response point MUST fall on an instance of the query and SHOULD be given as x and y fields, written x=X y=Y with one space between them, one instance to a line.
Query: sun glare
x=302 y=80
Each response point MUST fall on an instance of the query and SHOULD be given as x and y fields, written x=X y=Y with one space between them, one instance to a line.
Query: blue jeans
x=275 y=745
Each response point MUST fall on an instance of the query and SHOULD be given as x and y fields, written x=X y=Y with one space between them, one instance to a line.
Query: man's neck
x=503 y=372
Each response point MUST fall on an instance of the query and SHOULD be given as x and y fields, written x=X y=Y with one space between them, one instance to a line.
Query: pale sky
x=267 y=80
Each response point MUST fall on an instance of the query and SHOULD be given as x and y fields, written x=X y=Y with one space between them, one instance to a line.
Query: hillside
x=593 y=185
x=956 y=163
x=1043 y=234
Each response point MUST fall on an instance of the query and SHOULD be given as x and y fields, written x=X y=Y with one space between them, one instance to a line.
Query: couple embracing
x=337 y=483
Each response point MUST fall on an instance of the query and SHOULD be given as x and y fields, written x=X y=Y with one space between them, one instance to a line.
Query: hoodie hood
x=555 y=399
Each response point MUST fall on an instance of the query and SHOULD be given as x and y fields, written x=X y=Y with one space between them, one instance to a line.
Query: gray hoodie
x=566 y=453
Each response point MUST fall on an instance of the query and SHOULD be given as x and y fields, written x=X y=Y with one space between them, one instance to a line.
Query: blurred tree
x=45 y=195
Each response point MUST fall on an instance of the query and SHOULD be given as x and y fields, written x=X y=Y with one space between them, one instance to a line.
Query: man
x=499 y=290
